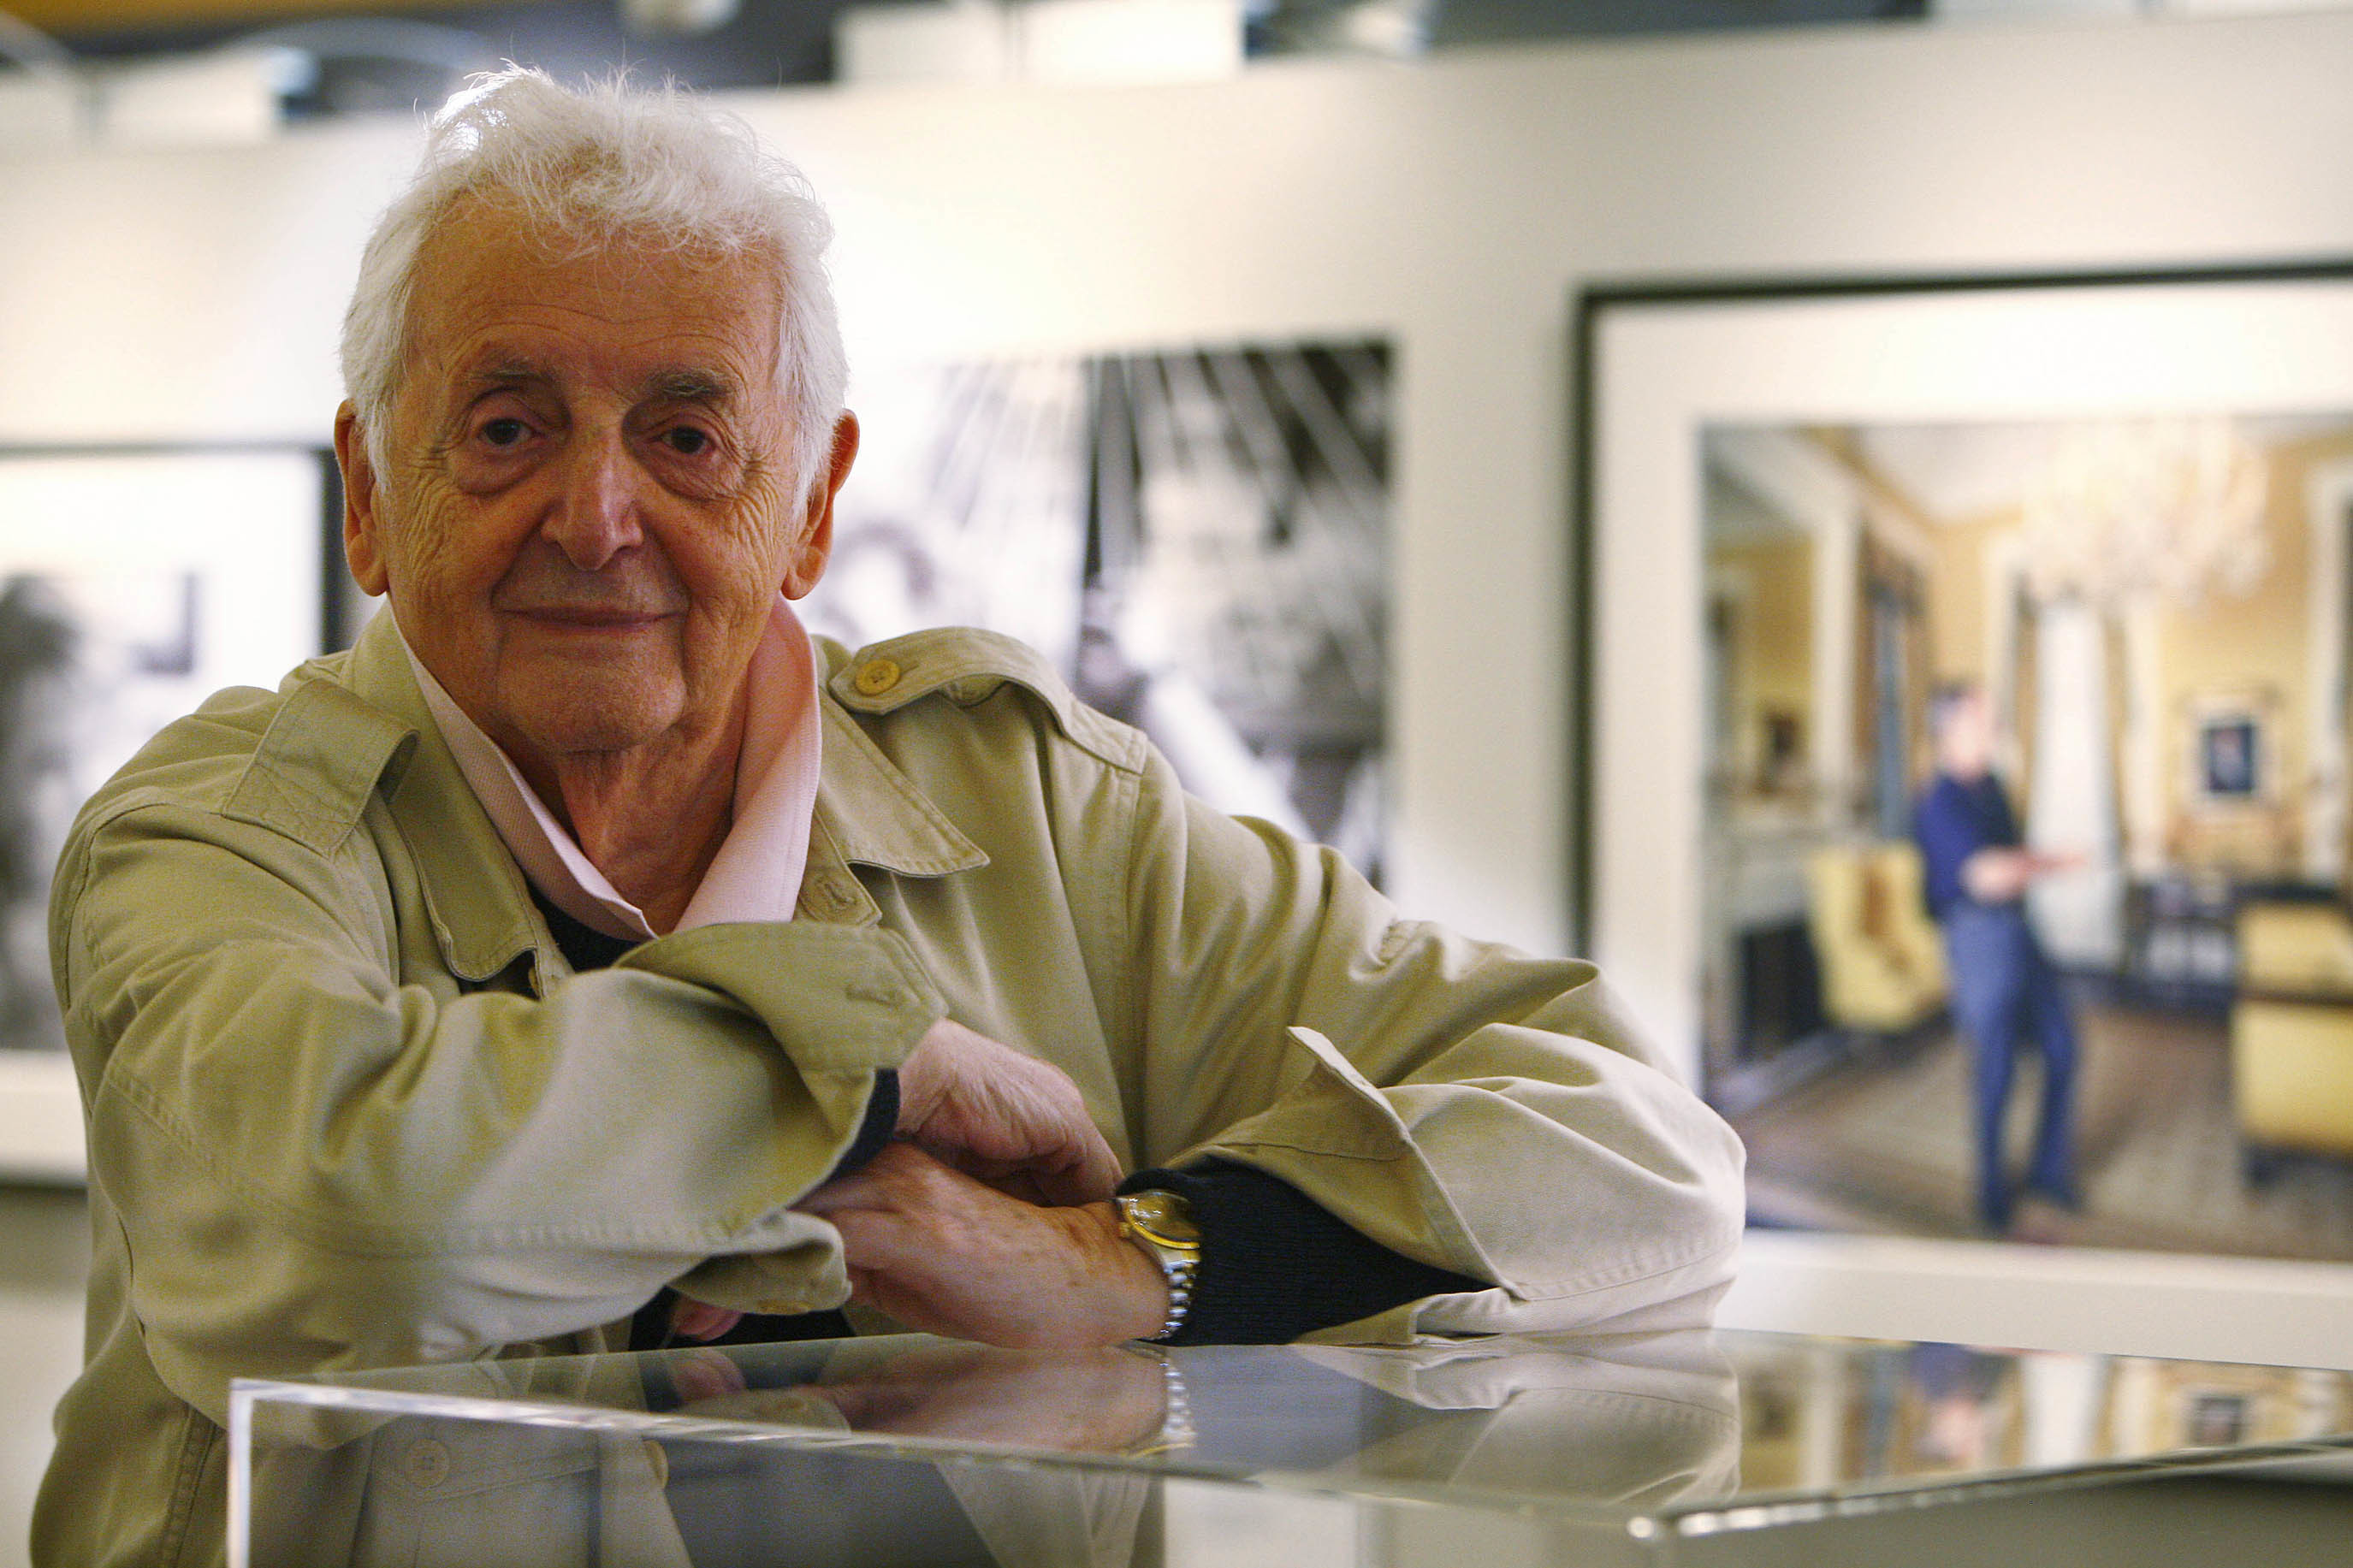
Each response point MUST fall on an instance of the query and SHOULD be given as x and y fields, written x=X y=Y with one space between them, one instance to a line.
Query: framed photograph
x=1197 y=538
x=133 y=583
x=2230 y=761
x=1878 y=574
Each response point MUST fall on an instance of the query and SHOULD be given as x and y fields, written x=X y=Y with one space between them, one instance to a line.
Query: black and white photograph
x=1197 y=539
x=91 y=664
x=133 y=583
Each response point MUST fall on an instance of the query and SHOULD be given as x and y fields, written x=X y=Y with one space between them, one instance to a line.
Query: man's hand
x=1999 y=875
x=1009 y=1120
x=1082 y=1400
x=693 y=1319
x=1101 y=1401
x=945 y=1253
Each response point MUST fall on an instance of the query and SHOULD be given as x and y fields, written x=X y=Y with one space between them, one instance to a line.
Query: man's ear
x=363 y=504
x=816 y=544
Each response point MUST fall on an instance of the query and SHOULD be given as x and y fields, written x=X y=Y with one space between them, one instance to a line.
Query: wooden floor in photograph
x=1881 y=1143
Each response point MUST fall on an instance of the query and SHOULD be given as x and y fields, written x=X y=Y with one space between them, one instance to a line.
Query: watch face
x=1163 y=1217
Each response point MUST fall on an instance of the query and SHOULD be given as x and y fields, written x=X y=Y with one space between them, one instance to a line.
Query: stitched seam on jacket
x=1131 y=993
x=1716 y=1240
x=269 y=797
x=196 y=1440
x=341 y=1237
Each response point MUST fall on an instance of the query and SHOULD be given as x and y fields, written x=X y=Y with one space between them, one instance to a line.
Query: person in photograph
x=590 y=959
x=2005 y=989
x=39 y=643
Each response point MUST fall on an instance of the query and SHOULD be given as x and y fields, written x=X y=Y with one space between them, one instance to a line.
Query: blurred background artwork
x=91 y=664
x=132 y=585
x=149 y=72
x=1198 y=539
x=2153 y=606
x=1812 y=1412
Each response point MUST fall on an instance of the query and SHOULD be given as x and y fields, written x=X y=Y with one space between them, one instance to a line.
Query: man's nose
x=594 y=515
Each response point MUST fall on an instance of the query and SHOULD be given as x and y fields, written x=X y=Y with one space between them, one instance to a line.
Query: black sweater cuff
x=881 y=1122
x=1275 y=1264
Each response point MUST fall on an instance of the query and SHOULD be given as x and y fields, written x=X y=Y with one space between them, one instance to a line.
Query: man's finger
x=705 y=1374
x=1090 y=1178
x=875 y=1241
x=856 y=1190
x=878 y=1183
x=693 y=1319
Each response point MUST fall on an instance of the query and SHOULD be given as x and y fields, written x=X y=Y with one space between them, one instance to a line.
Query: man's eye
x=504 y=432
x=688 y=441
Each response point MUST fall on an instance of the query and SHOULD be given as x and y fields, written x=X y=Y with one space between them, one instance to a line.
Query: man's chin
x=579 y=717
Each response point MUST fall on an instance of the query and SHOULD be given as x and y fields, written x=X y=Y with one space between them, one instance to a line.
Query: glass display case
x=1505 y=1453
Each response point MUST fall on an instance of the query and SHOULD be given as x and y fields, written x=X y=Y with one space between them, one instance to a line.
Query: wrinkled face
x=586 y=511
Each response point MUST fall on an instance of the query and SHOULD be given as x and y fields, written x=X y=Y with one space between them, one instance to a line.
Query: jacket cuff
x=839 y=999
x=1276 y=1265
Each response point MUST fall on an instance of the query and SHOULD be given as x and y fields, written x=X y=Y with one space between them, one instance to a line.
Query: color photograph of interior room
x=2147 y=615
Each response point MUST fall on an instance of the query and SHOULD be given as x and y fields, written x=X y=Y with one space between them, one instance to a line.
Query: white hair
x=581 y=169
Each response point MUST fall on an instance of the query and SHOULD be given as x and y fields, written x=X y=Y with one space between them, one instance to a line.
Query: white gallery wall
x=1453 y=206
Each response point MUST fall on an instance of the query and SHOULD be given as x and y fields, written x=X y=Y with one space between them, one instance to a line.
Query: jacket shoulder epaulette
x=967 y=665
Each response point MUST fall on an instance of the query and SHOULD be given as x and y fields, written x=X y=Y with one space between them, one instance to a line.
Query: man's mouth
x=590 y=617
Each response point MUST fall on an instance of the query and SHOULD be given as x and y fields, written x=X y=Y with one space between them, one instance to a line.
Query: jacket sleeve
x=319 y=1166
x=1458 y=1102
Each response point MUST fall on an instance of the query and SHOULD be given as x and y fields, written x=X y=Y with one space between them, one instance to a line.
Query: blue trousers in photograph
x=2005 y=992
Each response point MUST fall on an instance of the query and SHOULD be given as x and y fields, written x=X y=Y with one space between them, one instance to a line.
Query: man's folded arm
x=1491 y=1119
x=317 y=1165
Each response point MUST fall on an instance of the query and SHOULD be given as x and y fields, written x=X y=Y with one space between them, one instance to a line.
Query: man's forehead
x=498 y=298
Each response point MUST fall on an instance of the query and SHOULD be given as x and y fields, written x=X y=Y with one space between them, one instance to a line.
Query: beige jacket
x=349 y=1107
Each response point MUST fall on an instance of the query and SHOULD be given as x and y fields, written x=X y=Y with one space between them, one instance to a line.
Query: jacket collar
x=869 y=813
x=483 y=919
x=874 y=813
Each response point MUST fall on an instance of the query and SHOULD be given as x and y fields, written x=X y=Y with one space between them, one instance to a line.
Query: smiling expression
x=585 y=512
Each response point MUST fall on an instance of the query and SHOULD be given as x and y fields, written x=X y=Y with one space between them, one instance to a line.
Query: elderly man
x=585 y=959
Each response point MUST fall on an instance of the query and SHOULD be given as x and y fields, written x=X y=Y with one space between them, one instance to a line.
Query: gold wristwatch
x=1161 y=1223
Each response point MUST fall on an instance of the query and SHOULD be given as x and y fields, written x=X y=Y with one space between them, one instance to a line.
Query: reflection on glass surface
x=912 y=1450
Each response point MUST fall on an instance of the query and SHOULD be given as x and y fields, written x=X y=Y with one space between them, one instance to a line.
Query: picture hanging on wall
x=2231 y=735
x=1196 y=537
x=133 y=583
x=1908 y=603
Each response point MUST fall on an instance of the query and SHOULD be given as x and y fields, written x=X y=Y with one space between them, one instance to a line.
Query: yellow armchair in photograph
x=2291 y=1029
x=1882 y=960
x=2306 y=948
